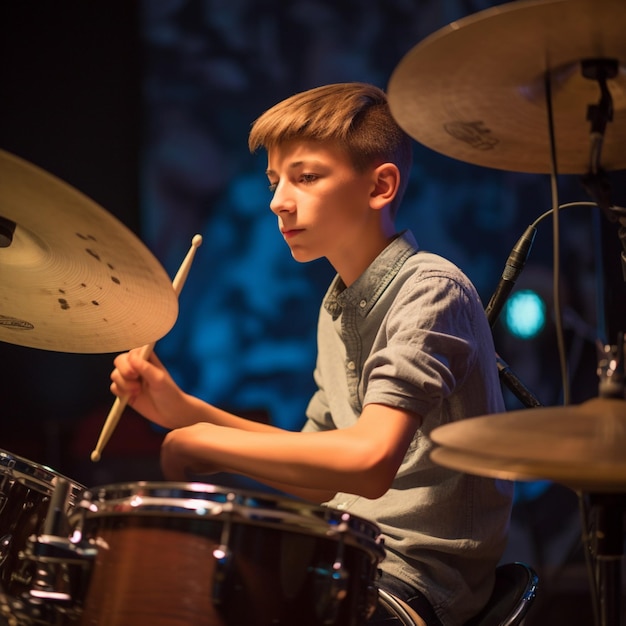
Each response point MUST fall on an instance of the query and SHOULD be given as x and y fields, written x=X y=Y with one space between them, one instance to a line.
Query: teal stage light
x=525 y=314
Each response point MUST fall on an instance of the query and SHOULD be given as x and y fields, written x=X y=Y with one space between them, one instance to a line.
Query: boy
x=403 y=346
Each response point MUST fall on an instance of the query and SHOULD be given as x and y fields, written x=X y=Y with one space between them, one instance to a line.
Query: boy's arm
x=362 y=459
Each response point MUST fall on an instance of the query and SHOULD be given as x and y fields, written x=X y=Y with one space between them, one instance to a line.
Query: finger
x=121 y=386
x=143 y=368
x=124 y=367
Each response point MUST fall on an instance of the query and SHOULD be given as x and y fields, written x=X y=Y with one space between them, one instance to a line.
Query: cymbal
x=590 y=479
x=581 y=446
x=474 y=90
x=72 y=277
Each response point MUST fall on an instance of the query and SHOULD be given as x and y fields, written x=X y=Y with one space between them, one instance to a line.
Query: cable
x=567 y=205
x=558 y=315
x=556 y=288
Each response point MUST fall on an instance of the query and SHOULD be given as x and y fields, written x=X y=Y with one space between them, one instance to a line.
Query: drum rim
x=207 y=500
x=34 y=475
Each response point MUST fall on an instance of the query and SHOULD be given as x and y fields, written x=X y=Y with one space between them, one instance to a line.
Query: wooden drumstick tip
x=95 y=456
x=196 y=241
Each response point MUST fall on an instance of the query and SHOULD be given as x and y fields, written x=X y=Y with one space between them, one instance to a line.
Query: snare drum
x=25 y=492
x=172 y=554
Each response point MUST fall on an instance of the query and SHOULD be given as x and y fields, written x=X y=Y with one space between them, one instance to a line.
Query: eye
x=307 y=179
x=272 y=187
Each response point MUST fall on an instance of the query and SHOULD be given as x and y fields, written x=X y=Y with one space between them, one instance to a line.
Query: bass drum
x=174 y=554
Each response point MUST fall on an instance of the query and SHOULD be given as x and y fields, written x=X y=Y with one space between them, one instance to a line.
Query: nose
x=282 y=201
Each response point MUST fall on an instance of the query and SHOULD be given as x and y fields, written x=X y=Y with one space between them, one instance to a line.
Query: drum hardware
x=475 y=89
x=223 y=557
x=331 y=581
x=599 y=115
x=370 y=600
x=403 y=613
x=607 y=536
x=578 y=446
x=5 y=543
x=56 y=558
x=520 y=109
x=27 y=491
x=6 y=540
x=37 y=560
x=56 y=567
x=246 y=558
x=611 y=370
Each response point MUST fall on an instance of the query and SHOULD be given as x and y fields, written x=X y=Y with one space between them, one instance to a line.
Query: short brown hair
x=355 y=115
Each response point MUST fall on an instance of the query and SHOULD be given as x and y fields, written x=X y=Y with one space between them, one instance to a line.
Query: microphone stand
x=512 y=269
x=512 y=381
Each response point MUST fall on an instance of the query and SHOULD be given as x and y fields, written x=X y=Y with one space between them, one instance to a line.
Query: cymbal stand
x=607 y=548
x=596 y=182
x=606 y=533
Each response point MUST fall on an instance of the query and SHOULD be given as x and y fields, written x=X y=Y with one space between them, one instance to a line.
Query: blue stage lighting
x=525 y=314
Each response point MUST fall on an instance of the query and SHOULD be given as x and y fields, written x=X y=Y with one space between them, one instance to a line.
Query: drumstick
x=121 y=401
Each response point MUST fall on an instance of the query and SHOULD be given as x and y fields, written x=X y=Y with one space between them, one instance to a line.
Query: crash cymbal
x=482 y=465
x=599 y=478
x=581 y=446
x=72 y=277
x=474 y=90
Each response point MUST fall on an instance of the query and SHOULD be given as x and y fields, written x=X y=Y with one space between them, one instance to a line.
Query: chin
x=304 y=256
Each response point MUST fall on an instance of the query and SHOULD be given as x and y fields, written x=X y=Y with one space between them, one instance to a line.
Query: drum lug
x=223 y=557
x=54 y=570
x=59 y=570
x=223 y=562
x=331 y=588
x=5 y=547
x=60 y=562
x=371 y=600
x=332 y=582
x=5 y=540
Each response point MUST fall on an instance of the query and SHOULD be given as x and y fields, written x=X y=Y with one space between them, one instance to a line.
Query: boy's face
x=321 y=201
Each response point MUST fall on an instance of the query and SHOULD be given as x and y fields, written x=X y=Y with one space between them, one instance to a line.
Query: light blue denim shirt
x=412 y=333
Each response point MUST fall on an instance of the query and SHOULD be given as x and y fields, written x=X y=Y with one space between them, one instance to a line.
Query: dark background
x=145 y=108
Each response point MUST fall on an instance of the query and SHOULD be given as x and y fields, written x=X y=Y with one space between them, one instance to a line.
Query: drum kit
x=145 y=553
x=534 y=86
x=539 y=87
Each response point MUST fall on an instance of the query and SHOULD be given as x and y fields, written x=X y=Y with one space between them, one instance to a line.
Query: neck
x=361 y=256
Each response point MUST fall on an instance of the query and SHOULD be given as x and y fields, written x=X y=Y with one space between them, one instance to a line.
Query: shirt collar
x=367 y=288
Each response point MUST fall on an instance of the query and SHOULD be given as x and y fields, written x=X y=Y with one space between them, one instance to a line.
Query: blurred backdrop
x=145 y=107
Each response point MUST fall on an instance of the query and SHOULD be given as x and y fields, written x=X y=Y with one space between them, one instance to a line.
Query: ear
x=386 y=179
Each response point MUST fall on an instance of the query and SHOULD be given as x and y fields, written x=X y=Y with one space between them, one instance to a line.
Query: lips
x=290 y=232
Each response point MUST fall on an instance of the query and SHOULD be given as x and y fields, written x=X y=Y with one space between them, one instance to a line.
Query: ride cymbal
x=72 y=277
x=474 y=90
x=581 y=446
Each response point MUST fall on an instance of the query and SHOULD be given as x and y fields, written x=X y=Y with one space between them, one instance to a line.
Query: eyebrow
x=296 y=164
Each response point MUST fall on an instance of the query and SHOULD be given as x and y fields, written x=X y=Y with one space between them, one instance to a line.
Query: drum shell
x=160 y=564
x=25 y=492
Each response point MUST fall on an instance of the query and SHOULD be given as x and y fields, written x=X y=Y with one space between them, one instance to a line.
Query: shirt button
x=351 y=365
x=363 y=304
